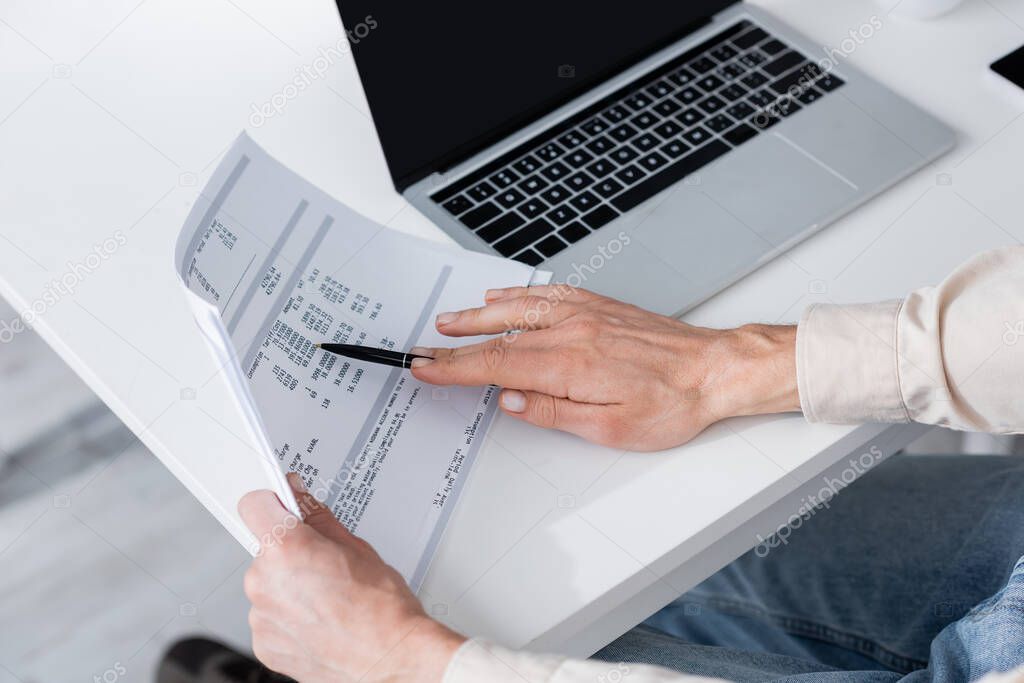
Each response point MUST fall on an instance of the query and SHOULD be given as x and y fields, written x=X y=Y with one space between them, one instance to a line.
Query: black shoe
x=198 y=660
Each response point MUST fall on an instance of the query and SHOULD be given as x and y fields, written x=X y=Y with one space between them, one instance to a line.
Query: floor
x=98 y=542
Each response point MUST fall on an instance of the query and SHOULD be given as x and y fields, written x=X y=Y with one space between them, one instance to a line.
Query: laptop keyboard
x=576 y=177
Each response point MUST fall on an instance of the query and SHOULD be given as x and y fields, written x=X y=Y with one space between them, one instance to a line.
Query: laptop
x=651 y=151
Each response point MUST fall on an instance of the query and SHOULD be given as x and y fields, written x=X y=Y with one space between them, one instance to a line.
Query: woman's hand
x=613 y=373
x=325 y=607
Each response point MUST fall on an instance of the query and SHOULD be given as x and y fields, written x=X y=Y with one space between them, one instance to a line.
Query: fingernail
x=421 y=351
x=491 y=294
x=420 y=362
x=446 y=318
x=513 y=400
x=296 y=482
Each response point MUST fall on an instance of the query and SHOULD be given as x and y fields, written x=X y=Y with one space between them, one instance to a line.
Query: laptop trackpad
x=717 y=224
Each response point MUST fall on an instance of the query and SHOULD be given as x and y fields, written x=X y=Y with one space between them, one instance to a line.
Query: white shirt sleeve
x=478 y=660
x=951 y=355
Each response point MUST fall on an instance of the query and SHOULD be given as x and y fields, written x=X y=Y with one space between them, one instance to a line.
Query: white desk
x=112 y=114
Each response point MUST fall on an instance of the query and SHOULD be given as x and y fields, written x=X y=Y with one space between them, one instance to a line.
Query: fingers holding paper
x=325 y=607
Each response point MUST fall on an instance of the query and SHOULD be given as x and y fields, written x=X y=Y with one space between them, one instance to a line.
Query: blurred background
x=132 y=561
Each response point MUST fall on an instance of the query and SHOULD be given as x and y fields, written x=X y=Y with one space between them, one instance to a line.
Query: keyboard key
x=524 y=237
x=481 y=191
x=798 y=79
x=533 y=184
x=549 y=152
x=762 y=99
x=785 y=107
x=667 y=107
x=504 y=177
x=601 y=168
x=608 y=187
x=594 y=126
x=828 y=82
x=674 y=148
x=584 y=201
x=753 y=59
x=616 y=114
x=480 y=215
x=690 y=117
x=629 y=174
x=638 y=101
x=724 y=53
x=623 y=132
x=681 y=77
x=551 y=246
x=774 y=47
x=529 y=257
x=750 y=38
x=702 y=65
x=560 y=215
x=644 y=120
x=740 y=111
x=573 y=232
x=555 y=171
x=572 y=139
x=731 y=71
x=555 y=194
x=688 y=95
x=578 y=158
x=710 y=83
x=645 y=142
x=653 y=161
x=660 y=89
x=600 y=216
x=763 y=120
x=600 y=145
x=783 y=63
x=495 y=230
x=754 y=80
x=532 y=207
x=526 y=165
x=719 y=123
x=624 y=154
x=810 y=95
x=457 y=204
x=668 y=129
x=579 y=180
x=732 y=92
x=510 y=197
x=740 y=134
x=697 y=136
x=711 y=105
x=670 y=175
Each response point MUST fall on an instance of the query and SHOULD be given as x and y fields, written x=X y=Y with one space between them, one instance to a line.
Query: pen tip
x=318 y=345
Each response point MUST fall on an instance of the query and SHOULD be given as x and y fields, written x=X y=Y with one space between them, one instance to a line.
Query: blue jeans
x=913 y=573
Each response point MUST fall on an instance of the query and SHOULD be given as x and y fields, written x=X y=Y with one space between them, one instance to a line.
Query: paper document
x=272 y=266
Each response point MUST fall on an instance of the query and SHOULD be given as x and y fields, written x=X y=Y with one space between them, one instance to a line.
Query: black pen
x=397 y=359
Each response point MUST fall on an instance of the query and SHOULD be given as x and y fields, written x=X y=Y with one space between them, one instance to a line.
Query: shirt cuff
x=478 y=660
x=847 y=363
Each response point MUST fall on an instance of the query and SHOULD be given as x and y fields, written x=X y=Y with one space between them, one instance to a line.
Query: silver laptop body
x=708 y=229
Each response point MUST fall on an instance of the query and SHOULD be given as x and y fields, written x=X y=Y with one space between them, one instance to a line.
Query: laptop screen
x=446 y=79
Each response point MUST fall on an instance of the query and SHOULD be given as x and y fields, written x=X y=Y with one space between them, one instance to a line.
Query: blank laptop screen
x=445 y=79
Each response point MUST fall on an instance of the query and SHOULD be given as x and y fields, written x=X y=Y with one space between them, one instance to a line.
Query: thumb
x=316 y=515
x=266 y=518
